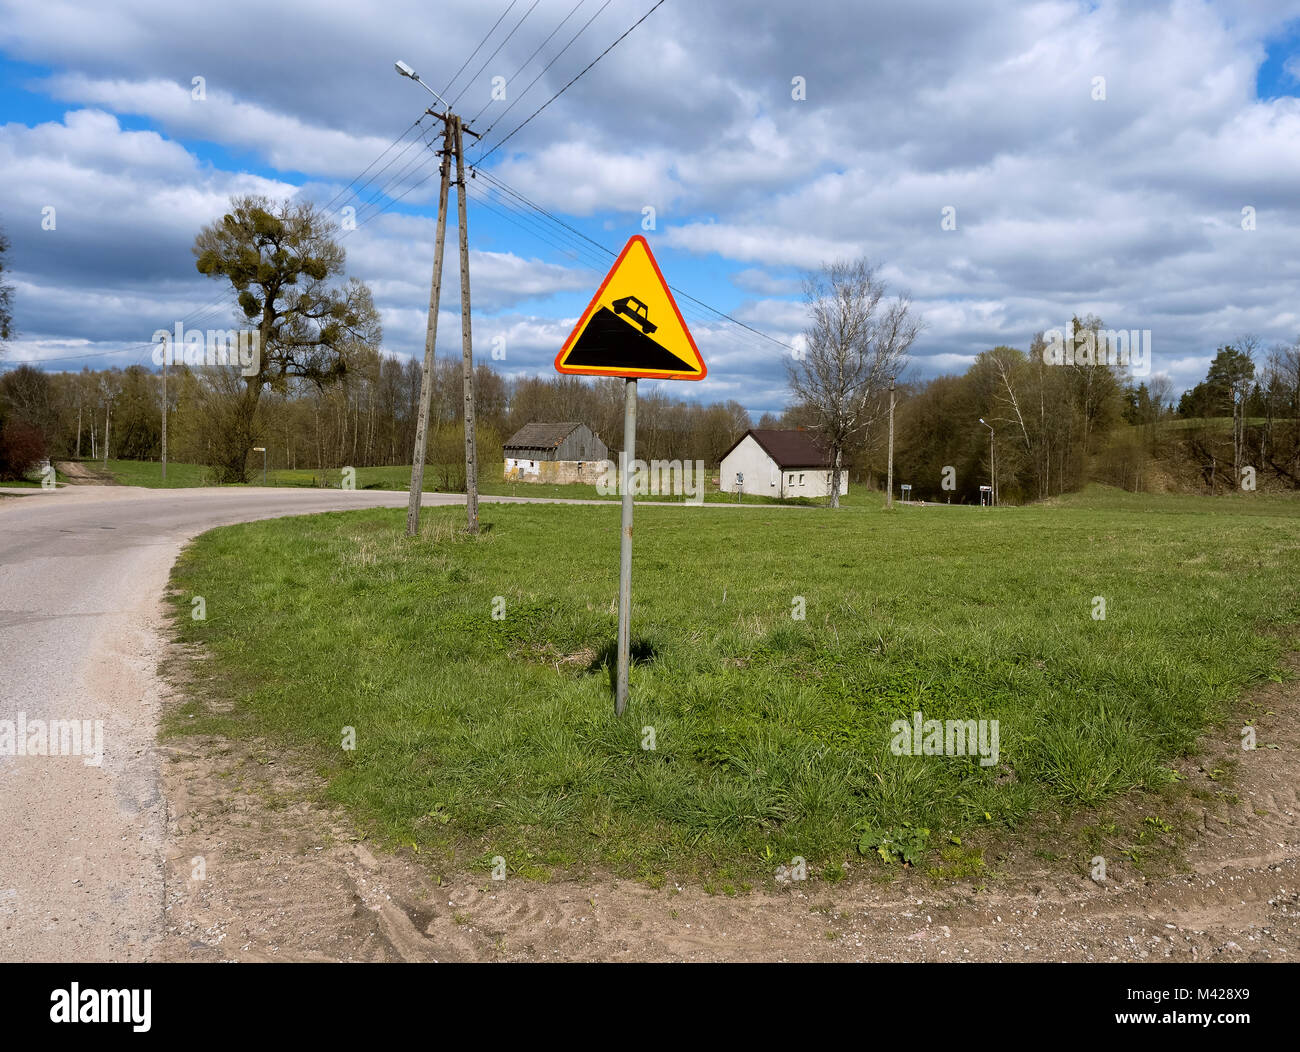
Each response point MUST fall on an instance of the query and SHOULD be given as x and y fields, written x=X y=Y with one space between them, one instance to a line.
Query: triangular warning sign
x=632 y=327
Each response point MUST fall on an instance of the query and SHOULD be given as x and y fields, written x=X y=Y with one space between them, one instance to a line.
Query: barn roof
x=789 y=449
x=541 y=436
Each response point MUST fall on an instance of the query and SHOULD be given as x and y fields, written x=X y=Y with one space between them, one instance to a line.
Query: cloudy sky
x=1096 y=157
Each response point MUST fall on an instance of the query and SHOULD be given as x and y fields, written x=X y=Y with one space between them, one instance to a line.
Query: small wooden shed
x=564 y=452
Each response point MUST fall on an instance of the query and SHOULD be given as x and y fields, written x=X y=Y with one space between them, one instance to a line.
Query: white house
x=779 y=464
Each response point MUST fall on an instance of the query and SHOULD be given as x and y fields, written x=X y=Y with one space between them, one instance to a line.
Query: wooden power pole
x=453 y=132
x=466 y=338
x=430 y=341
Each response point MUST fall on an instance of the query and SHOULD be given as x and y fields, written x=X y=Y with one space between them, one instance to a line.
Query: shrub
x=22 y=447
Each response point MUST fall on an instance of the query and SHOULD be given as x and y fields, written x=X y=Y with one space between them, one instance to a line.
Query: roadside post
x=631 y=329
x=262 y=450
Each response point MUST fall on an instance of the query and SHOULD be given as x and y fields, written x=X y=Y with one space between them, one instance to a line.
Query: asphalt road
x=82 y=574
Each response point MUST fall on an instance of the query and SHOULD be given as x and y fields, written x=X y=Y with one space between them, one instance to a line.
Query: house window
x=791 y=482
x=801 y=478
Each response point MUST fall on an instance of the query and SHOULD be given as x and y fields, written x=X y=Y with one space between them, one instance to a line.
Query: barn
x=776 y=463
x=566 y=452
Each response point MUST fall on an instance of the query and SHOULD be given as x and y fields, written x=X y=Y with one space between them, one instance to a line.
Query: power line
x=582 y=255
x=610 y=252
x=524 y=65
x=377 y=214
x=477 y=49
x=415 y=124
x=490 y=57
x=386 y=191
x=497 y=120
x=566 y=87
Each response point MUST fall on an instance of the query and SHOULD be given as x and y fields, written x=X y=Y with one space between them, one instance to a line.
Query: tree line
x=320 y=394
x=366 y=417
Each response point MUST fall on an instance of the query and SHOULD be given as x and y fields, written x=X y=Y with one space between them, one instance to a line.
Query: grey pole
x=625 y=548
x=993 y=477
x=166 y=355
x=889 y=501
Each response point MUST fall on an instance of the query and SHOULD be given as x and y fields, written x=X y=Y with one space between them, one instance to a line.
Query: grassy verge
x=478 y=736
x=148 y=473
x=33 y=481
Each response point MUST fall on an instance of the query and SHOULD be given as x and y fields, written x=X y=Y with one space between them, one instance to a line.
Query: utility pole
x=889 y=502
x=166 y=349
x=453 y=132
x=430 y=340
x=466 y=337
x=993 y=475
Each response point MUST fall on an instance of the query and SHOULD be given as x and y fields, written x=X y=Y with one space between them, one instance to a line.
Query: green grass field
x=478 y=737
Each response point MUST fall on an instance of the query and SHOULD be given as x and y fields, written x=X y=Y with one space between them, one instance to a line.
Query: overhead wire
x=524 y=65
x=523 y=18
x=486 y=36
x=501 y=184
x=497 y=120
x=623 y=36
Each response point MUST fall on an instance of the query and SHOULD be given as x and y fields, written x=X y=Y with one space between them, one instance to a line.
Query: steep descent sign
x=632 y=327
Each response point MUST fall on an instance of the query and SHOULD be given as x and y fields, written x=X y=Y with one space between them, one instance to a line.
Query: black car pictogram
x=636 y=311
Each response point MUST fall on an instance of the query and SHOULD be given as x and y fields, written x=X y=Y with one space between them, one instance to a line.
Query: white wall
x=761 y=474
x=522 y=467
x=764 y=478
x=811 y=482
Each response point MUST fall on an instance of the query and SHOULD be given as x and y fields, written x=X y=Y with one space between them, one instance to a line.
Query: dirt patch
x=79 y=474
x=257 y=870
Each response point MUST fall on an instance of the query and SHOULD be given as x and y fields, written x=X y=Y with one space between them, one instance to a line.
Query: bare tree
x=856 y=343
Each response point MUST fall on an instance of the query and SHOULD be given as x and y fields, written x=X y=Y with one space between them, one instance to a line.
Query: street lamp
x=993 y=478
x=262 y=450
x=406 y=71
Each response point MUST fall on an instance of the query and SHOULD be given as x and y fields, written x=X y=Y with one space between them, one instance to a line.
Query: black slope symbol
x=609 y=342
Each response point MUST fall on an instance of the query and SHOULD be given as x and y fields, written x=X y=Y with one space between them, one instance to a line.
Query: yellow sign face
x=632 y=327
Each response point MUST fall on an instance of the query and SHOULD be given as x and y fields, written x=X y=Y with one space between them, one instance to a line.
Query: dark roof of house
x=789 y=449
x=541 y=436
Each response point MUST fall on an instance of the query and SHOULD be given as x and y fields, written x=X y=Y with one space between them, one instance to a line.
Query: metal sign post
x=631 y=328
x=625 y=548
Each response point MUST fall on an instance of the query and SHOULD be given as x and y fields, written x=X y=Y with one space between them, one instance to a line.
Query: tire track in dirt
x=289 y=879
